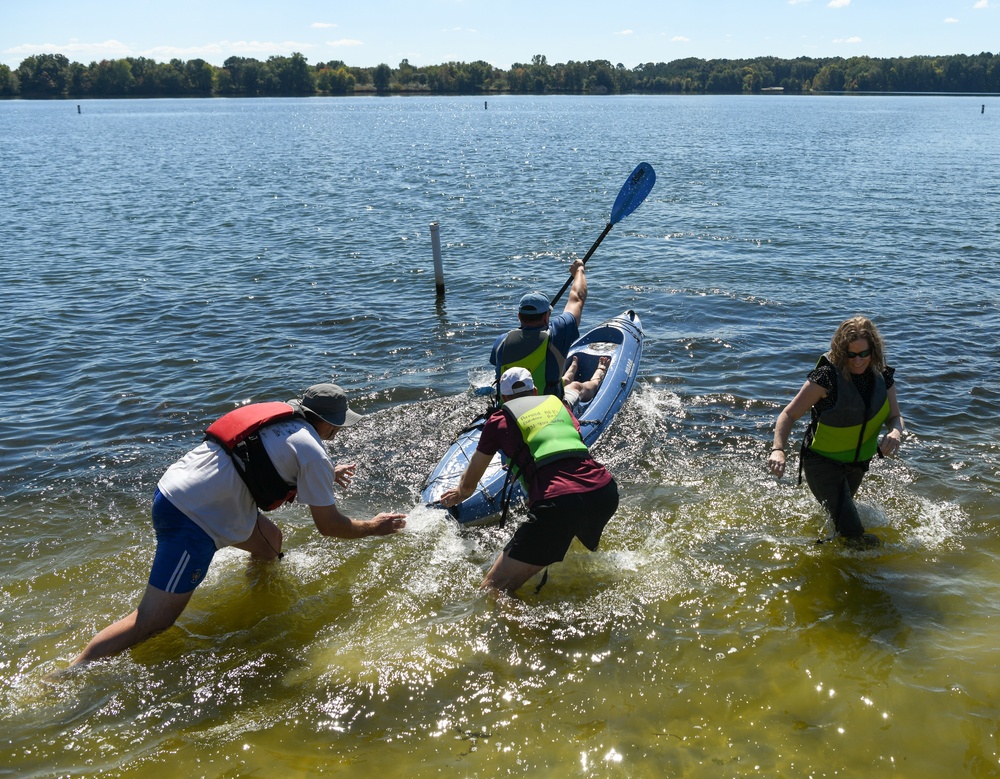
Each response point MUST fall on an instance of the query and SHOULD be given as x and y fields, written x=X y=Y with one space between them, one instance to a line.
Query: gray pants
x=834 y=484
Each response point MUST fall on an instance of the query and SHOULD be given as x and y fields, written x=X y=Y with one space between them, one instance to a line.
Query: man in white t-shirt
x=202 y=504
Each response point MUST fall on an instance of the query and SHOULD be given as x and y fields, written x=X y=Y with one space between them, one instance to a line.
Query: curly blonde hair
x=854 y=329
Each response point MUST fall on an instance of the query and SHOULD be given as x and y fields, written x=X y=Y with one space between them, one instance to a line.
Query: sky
x=432 y=32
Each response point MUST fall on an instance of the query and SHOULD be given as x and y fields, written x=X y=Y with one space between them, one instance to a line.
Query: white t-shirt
x=205 y=485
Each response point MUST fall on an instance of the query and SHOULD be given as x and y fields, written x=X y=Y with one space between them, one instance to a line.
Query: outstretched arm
x=331 y=521
x=578 y=292
x=467 y=484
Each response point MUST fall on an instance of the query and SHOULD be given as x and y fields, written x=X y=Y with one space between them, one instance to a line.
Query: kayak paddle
x=632 y=193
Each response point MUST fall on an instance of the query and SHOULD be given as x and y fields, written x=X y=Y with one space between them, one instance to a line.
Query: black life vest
x=238 y=433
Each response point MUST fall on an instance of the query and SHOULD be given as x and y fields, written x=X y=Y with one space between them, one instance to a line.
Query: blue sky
x=428 y=32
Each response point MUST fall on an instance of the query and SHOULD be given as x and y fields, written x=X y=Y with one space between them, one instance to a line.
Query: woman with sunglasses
x=852 y=394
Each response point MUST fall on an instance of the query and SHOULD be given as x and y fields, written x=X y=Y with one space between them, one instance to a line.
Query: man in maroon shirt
x=570 y=495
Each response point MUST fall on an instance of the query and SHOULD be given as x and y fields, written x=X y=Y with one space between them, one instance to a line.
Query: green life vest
x=548 y=432
x=848 y=432
x=533 y=350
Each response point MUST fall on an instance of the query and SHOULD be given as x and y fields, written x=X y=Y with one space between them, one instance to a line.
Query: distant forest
x=54 y=76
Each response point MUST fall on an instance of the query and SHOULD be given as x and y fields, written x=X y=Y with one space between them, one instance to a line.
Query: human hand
x=575 y=267
x=776 y=462
x=889 y=445
x=450 y=497
x=385 y=524
x=343 y=474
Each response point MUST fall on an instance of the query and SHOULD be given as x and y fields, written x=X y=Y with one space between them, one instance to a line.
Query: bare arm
x=890 y=442
x=577 y=292
x=330 y=521
x=467 y=484
x=808 y=396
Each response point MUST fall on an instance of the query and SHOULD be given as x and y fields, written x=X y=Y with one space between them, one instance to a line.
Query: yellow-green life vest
x=532 y=349
x=548 y=432
x=848 y=432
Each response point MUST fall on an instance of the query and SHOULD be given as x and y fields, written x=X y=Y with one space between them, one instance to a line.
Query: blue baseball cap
x=533 y=304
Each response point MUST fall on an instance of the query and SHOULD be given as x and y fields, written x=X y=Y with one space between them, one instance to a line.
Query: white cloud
x=626 y=32
x=221 y=50
x=982 y=4
x=75 y=50
x=951 y=20
x=852 y=39
x=321 y=25
x=348 y=42
x=680 y=39
x=797 y=2
x=838 y=3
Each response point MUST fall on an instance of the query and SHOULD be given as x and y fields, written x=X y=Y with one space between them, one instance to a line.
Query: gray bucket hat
x=328 y=402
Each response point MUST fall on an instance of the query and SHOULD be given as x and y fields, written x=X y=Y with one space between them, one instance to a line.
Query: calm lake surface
x=163 y=261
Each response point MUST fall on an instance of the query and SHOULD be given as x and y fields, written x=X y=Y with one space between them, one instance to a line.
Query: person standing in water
x=570 y=495
x=253 y=459
x=851 y=394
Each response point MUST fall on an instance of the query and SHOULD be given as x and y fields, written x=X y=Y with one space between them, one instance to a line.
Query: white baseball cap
x=516 y=381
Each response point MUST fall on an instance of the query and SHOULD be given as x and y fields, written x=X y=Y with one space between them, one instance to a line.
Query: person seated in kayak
x=581 y=391
x=570 y=495
x=252 y=460
x=541 y=341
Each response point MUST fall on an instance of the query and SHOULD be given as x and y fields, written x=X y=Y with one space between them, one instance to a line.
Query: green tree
x=168 y=78
x=45 y=75
x=474 y=77
x=335 y=81
x=574 y=77
x=9 y=85
x=111 y=78
x=293 y=74
x=381 y=77
x=602 y=78
x=200 y=77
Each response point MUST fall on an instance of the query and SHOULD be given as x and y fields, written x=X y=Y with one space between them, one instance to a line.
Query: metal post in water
x=438 y=270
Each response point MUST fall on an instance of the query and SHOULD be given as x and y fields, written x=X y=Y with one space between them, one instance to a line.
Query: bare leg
x=265 y=541
x=157 y=611
x=507 y=574
x=571 y=368
x=587 y=389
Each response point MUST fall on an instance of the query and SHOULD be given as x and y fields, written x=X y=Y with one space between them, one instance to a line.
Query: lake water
x=163 y=261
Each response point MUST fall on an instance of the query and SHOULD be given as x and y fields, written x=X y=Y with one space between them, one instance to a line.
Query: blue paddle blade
x=633 y=192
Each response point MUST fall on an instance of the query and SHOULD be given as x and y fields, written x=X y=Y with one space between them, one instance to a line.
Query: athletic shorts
x=553 y=523
x=183 y=550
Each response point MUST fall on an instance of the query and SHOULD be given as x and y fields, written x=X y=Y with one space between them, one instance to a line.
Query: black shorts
x=552 y=525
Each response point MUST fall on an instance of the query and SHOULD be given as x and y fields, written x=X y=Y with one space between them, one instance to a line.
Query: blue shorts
x=183 y=550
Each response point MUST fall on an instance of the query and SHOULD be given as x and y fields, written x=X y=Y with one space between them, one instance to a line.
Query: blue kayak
x=620 y=339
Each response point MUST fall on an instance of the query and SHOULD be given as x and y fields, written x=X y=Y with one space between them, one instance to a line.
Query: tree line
x=54 y=76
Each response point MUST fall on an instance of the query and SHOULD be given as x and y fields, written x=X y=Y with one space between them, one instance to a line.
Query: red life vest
x=238 y=433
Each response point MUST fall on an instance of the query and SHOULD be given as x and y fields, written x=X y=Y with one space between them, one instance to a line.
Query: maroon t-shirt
x=562 y=477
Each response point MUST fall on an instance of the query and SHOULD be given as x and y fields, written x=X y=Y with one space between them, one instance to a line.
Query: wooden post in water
x=438 y=270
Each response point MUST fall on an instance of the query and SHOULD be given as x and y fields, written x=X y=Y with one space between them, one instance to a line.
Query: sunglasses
x=865 y=353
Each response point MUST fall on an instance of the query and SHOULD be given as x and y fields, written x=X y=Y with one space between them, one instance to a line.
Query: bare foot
x=571 y=368
x=601 y=370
